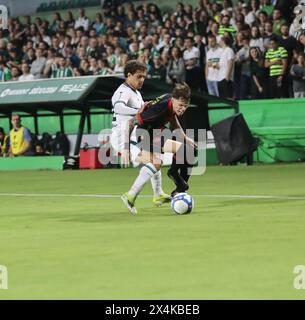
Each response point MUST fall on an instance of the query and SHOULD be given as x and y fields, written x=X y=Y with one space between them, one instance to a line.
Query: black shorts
x=154 y=143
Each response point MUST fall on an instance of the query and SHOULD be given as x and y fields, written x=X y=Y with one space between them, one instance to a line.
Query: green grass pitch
x=74 y=247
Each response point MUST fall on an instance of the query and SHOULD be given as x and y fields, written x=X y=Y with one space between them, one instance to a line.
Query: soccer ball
x=182 y=203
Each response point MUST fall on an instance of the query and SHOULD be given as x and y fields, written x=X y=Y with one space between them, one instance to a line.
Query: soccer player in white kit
x=127 y=102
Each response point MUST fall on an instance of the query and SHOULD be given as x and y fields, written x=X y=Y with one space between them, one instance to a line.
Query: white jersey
x=132 y=101
x=213 y=56
x=126 y=103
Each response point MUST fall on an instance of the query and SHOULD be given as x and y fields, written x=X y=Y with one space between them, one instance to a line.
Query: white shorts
x=117 y=142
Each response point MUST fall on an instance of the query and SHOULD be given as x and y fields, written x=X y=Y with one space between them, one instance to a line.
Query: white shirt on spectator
x=250 y=18
x=213 y=55
x=27 y=77
x=118 y=69
x=37 y=67
x=259 y=43
x=82 y=22
x=293 y=32
x=218 y=38
x=193 y=53
x=227 y=11
x=227 y=54
x=47 y=39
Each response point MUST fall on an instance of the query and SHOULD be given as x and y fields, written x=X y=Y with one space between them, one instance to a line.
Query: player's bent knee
x=157 y=163
x=171 y=146
x=158 y=166
x=143 y=157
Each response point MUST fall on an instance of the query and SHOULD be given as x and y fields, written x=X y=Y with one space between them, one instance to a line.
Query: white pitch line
x=232 y=196
x=245 y=196
x=67 y=195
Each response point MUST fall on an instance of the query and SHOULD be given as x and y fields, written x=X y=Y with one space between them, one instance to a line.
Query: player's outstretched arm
x=177 y=125
x=121 y=108
x=131 y=124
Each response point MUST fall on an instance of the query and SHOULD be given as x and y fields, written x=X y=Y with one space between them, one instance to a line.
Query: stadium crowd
x=246 y=51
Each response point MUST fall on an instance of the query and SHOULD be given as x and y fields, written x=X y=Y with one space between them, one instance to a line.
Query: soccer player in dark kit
x=165 y=109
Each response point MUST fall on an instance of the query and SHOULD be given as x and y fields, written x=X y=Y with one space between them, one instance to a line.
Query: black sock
x=173 y=173
x=184 y=172
x=188 y=165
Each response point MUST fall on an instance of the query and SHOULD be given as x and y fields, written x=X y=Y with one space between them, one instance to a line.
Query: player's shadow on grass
x=121 y=215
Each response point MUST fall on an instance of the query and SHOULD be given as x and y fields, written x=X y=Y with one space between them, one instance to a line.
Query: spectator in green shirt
x=64 y=70
x=276 y=61
x=15 y=74
x=157 y=70
x=111 y=57
x=278 y=21
x=267 y=7
x=5 y=73
x=104 y=67
x=225 y=26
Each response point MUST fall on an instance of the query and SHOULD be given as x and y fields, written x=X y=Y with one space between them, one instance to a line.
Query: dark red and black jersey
x=159 y=113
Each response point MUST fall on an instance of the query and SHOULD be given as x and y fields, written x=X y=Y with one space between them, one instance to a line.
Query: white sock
x=145 y=174
x=156 y=182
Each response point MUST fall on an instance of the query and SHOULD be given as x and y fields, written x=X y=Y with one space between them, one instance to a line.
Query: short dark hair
x=274 y=38
x=132 y=66
x=182 y=91
x=179 y=51
x=227 y=41
x=1 y=130
x=264 y=13
x=16 y=115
